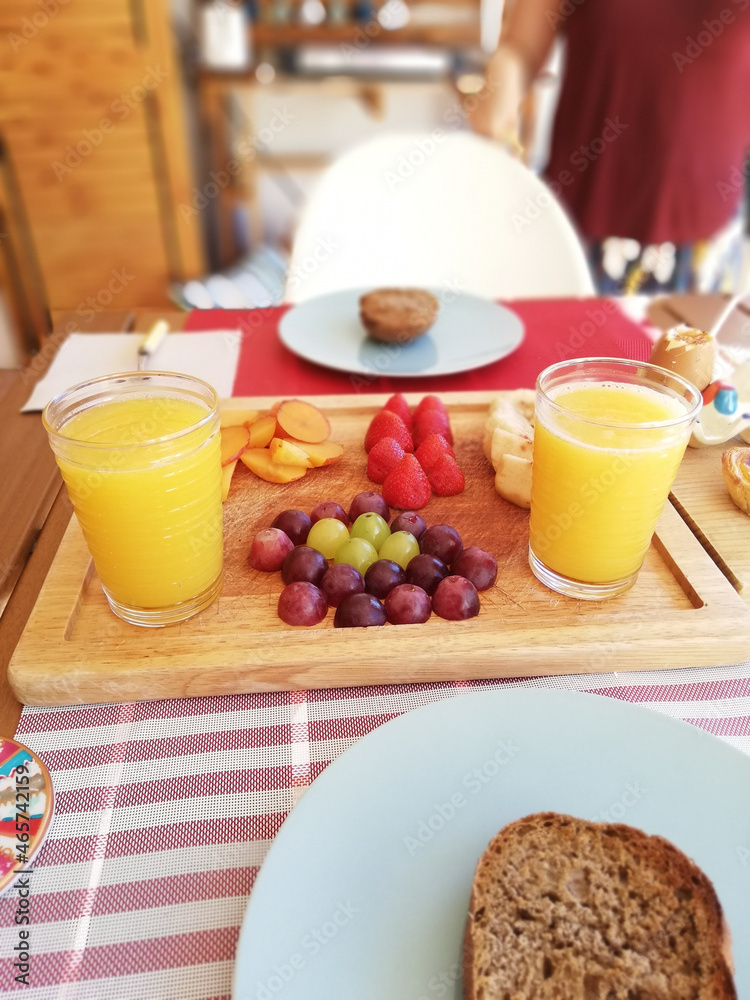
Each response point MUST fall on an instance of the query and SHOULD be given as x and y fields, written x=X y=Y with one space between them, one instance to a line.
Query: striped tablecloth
x=165 y=811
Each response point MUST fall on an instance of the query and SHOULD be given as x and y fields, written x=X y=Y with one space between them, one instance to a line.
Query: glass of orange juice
x=609 y=436
x=140 y=456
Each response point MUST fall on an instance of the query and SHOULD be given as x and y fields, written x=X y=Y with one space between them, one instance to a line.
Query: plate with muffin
x=511 y=844
x=401 y=332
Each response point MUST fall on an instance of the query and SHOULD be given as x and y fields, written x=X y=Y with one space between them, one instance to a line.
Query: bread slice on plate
x=566 y=909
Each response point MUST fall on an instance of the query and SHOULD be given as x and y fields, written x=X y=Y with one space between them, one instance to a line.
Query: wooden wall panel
x=90 y=110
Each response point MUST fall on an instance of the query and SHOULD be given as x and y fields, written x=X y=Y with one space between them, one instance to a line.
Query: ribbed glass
x=140 y=454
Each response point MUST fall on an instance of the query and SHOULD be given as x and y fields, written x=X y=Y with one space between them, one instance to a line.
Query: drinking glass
x=140 y=456
x=609 y=436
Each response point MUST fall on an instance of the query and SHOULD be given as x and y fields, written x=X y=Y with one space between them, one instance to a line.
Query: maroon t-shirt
x=653 y=120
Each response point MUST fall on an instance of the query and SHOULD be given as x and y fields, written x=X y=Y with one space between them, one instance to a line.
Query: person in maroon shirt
x=653 y=122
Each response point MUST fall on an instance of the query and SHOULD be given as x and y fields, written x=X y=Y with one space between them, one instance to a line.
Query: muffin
x=397 y=315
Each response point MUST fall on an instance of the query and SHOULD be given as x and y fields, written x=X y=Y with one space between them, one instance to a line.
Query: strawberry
x=384 y=456
x=407 y=486
x=432 y=422
x=387 y=424
x=397 y=404
x=446 y=479
x=429 y=403
x=430 y=450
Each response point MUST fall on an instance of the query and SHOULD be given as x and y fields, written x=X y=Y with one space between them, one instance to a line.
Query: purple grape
x=294 y=523
x=408 y=605
x=382 y=577
x=304 y=563
x=367 y=502
x=456 y=598
x=329 y=509
x=476 y=565
x=409 y=521
x=442 y=541
x=341 y=581
x=269 y=550
x=301 y=603
x=426 y=571
x=359 y=611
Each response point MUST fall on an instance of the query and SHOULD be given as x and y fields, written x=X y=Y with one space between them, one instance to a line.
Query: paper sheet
x=211 y=356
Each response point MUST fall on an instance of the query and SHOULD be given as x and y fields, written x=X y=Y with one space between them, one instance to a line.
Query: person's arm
x=530 y=31
x=523 y=49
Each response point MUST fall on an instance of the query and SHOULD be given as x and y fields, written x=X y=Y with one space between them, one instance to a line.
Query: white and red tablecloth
x=165 y=810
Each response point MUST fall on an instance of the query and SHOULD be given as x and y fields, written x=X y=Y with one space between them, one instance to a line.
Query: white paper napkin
x=211 y=356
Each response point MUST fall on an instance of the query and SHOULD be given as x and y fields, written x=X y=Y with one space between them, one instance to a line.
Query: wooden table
x=35 y=510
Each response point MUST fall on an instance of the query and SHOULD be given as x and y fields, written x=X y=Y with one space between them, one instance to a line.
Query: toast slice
x=567 y=909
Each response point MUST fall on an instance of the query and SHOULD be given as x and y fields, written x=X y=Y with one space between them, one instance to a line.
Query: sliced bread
x=567 y=909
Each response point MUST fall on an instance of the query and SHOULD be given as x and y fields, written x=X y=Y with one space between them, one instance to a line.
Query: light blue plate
x=469 y=332
x=364 y=892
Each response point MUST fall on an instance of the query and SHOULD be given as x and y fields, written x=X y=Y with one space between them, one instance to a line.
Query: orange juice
x=144 y=475
x=601 y=475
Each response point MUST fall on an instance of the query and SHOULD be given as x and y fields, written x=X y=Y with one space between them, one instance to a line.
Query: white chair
x=440 y=210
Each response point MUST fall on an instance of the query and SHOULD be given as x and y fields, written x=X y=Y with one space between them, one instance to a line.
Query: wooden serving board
x=682 y=611
x=700 y=495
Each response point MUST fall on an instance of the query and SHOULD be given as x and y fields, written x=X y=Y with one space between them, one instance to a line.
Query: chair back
x=435 y=210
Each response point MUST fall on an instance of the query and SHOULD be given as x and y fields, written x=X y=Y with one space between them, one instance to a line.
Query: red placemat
x=556 y=329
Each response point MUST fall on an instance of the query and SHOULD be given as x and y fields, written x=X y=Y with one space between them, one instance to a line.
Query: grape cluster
x=399 y=573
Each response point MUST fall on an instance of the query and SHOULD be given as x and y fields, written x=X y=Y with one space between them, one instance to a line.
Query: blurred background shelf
x=148 y=144
x=116 y=118
x=284 y=35
x=360 y=69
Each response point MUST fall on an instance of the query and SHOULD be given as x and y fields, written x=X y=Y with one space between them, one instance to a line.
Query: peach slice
x=323 y=453
x=227 y=471
x=238 y=418
x=286 y=453
x=262 y=431
x=234 y=440
x=259 y=461
x=303 y=421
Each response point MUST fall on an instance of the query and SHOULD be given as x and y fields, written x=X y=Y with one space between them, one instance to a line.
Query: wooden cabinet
x=92 y=122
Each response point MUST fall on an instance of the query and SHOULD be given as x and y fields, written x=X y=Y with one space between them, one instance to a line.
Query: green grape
x=372 y=527
x=357 y=552
x=327 y=536
x=401 y=547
